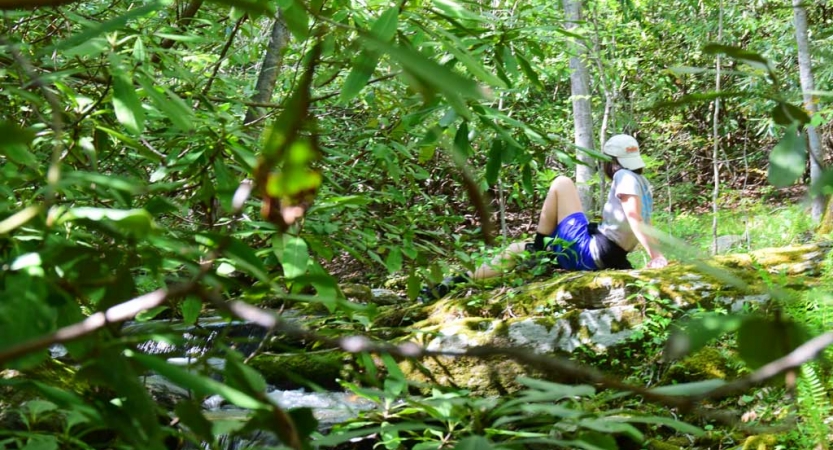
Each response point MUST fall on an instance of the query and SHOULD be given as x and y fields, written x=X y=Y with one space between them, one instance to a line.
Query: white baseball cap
x=626 y=150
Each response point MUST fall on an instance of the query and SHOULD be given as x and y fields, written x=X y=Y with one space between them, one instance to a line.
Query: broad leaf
x=133 y=222
x=14 y=144
x=126 y=104
x=788 y=159
x=762 y=340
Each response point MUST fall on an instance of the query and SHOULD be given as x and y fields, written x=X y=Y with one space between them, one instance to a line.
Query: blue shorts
x=572 y=243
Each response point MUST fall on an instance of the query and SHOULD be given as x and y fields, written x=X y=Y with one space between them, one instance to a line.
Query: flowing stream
x=194 y=346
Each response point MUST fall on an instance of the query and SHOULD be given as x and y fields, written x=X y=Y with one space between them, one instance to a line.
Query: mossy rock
x=706 y=364
x=594 y=311
x=293 y=370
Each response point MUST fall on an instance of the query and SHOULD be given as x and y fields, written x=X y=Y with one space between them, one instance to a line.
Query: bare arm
x=633 y=212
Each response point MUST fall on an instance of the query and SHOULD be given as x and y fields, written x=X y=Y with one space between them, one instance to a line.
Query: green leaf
x=139 y=53
x=788 y=159
x=526 y=177
x=14 y=144
x=295 y=257
x=762 y=340
x=126 y=104
x=199 y=384
x=98 y=28
x=296 y=18
x=458 y=49
x=169 y=104
x=384 y=28
x=596 y=440
x=751 y=58
x=462 y=146
x=394 y=260
x=254 y=8
x=474 y=443
x=243 y=377
x=190 y=413
x=455 y=10
x=244 y=257
x=133 y=222
x=674 y=424
x=131 y=186
x=693 y=334
x=495 y=161
x=430 y=72
x=604 y=425
x=357 y=79
x=527 y=69
x=787 y=114
x=41 y=442
x=191 y=308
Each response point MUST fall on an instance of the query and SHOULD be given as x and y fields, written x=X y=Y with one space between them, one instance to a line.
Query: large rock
x=592 y=311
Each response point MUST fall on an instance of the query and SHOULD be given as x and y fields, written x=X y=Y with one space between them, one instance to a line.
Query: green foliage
x=123 y=155
x=814 y=406
x=543 y=413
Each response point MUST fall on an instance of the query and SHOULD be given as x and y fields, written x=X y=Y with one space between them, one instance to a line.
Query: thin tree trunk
x=805 y=69
x=269 y=70
x=716 y=135
x=582 y=114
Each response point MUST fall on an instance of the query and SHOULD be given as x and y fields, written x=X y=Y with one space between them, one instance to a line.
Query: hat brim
x=633 y=162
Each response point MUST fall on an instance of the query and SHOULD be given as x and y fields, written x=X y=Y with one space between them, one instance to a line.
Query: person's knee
x=561 y=182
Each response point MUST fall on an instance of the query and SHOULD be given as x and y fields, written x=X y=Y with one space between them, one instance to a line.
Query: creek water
x=193 y=346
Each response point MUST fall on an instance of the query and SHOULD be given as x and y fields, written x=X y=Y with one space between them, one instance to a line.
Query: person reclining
x=563 y=227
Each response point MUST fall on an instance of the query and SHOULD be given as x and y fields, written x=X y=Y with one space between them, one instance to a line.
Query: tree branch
x=115 y=314
x=32 y=4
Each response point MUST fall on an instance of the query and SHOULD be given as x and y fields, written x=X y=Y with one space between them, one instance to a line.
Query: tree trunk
x=807 y=86
x=582 y=114
x=269 y=70
x=716 y=137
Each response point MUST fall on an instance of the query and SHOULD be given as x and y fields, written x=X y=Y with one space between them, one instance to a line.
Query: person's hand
x=657 y=263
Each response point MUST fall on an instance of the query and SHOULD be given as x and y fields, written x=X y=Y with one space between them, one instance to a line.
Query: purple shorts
x=572 y=243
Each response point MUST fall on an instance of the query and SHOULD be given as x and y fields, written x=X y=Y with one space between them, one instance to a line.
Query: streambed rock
x=595 y=312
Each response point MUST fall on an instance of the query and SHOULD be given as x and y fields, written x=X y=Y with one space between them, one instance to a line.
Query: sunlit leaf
x=788 y=159
x=295 y=257
x=126 y=104
x=135 y=222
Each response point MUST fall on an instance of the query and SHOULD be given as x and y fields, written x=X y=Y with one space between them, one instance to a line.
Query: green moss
x=291 y=370
x=708 y=363
x=659 y=445
x=760 y=442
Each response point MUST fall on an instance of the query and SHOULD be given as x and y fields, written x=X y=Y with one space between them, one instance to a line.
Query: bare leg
x=561 y=201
